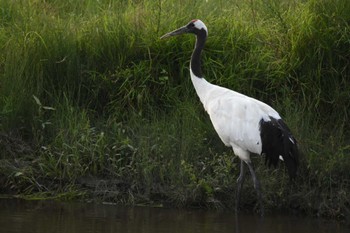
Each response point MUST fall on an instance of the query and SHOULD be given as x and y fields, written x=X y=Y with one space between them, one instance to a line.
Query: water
x=48 y=216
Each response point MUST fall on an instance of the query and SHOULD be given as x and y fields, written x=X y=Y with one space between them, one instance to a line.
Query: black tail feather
x=277 y=140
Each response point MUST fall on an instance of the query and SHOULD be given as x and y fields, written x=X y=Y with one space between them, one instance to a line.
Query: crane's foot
x=260 y=210
x=260 y=201
x=240 y=182
x=237 y=209
x=257 y=187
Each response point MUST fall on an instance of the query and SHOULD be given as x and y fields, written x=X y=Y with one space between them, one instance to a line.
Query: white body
x=235 y=116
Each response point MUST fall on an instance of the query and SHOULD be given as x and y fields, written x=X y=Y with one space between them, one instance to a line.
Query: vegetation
x=94 y=105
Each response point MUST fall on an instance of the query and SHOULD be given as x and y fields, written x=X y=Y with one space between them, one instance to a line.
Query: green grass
x=93 y=104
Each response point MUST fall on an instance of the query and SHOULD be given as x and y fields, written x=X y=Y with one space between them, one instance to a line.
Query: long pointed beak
x=176 y=32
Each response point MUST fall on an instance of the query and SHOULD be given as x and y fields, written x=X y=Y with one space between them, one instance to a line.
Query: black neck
x=196 y=55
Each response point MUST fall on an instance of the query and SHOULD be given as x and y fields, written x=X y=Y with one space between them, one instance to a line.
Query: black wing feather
x=277 y=140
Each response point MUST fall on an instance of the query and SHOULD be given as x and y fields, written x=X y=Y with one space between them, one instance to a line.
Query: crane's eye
x=191 y=25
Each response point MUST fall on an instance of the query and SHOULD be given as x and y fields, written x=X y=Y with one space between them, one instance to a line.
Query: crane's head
x=195 y=26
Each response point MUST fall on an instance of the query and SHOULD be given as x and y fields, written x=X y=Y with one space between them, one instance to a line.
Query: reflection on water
x=47 y=216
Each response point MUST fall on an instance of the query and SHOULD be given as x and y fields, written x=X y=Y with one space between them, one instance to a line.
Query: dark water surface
x=50 y=217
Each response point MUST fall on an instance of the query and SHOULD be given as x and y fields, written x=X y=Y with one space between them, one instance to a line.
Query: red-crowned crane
x=243 y=123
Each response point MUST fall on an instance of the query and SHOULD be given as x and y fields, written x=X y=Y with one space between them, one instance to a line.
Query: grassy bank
x=94 y=105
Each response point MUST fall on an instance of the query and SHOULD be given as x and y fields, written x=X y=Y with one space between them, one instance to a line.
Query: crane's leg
x=240 y=182
x=256 y=186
